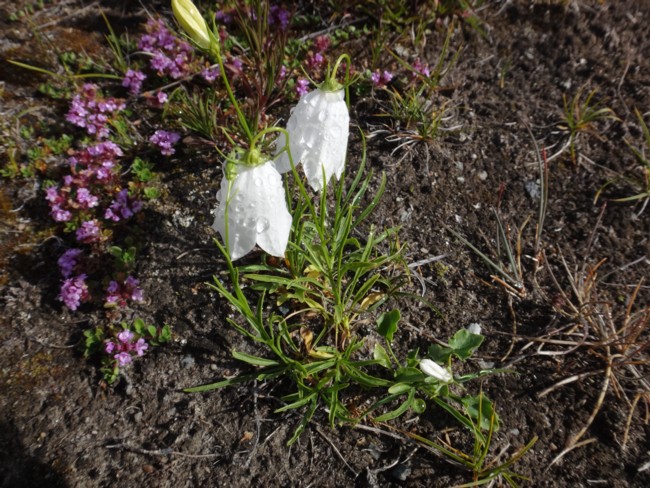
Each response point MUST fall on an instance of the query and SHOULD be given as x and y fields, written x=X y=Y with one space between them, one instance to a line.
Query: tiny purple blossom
x=59 y=214
x=109 y=347
x=68 y=261
x=165 y=140
x=120 y=208
x=278 y=15
x=133 y=81
x=74 y=291
x=125 y=337
x=302 y=86
x=119 y=294
x=123 y=358
x=89 y=232
x=211 y=73
x=161 y=97
x=140 y=346
x=85 y=198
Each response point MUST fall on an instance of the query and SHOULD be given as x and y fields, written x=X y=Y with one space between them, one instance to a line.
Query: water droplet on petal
x=262 y=224
x=258 y=181
x=251 y=205
x=313 y=101
x=322 y=116
x=238 y=197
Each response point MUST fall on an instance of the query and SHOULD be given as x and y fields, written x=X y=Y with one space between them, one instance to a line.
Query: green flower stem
x=215 y=53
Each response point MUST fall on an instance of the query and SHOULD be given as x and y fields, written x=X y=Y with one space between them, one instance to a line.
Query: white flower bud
x=318 y=136
x=257 y=211
x=433 y=369
x=192 y=22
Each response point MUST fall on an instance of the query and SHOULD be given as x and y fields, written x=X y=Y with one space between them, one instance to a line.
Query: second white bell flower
x=318 y=129
x=433 y=369
x=257 y=211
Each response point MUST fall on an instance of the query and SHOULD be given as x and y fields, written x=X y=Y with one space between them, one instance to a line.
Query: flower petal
x=433 y=369
x=318 y=136
x=257 y=211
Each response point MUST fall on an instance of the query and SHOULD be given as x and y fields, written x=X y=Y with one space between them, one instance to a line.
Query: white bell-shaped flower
x=257 y=211
x=433 y=369
x=318 y=136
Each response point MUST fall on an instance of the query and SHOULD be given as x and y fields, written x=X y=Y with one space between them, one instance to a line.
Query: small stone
x=401 y=472
x=482 y=175
x=138 y=417
x=187 y=362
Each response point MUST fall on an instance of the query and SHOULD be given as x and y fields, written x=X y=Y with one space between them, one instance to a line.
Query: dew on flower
x=262 y=224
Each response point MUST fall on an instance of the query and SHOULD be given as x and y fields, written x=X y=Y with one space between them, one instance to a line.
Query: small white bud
x=433 y=369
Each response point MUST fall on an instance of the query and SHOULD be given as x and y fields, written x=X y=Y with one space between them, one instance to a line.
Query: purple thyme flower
x=165 y=140
x=109 y=347
x=59 y=214
x=119 y=294
x=171 y=55
x=161 y=97
x=123 y=358
x=420 y=68
x=381 y=79
x=91 y=112
x=68 y=261
x=211 y=73
x=120 y=208
x=125 y=337
x=74 y=291
x=302 y=86
x=133 y=81
x=86 y=199
x=140 y=346
x=89 y=232
x=278 y=15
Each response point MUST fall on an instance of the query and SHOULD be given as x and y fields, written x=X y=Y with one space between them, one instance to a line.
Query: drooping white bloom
x=257 y=211
x=431 y=368
x=318 y=136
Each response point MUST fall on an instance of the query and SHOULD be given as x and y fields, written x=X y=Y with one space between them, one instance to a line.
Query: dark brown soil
x=58 y=427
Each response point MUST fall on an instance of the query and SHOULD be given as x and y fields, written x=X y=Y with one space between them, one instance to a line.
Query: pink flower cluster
x=165 y=141
x=120 y=293
x=124 y=347
x=381 y=79
x=133 y=81
x=123 y=207
x=93 y=112
x=171 y=56
x=74 y=291
x=94 y=173
x=91 y=198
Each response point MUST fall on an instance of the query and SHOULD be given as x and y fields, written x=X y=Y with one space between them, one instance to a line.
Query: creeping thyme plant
x=308 y=304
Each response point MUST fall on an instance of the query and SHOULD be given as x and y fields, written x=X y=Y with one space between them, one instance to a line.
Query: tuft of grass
x=580 y=116
x=640 y=181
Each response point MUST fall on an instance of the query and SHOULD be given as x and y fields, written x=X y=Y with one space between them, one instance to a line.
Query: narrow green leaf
x=254 y=360
x=399 y=388
x=399 y=410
